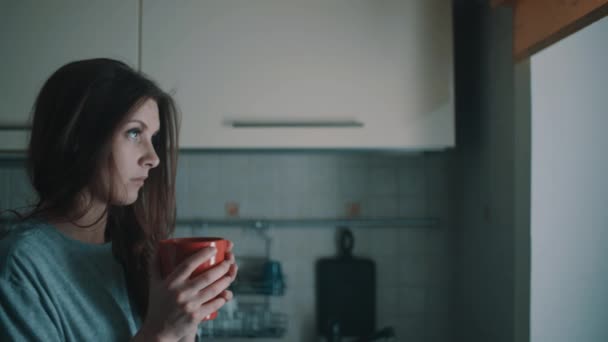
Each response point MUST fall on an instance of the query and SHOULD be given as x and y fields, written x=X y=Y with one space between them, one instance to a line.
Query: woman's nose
x=150 y=159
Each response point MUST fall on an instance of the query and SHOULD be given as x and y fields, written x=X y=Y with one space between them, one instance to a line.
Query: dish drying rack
x=250 y=322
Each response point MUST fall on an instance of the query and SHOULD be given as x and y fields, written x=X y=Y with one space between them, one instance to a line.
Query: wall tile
x=301 y=283
x=182 y=231
x=438 y=240
x=383 y=181
x=438 y=269
x=388 y=270
x=437 y=300
x=208 y=207
x=387 y=300
x=262 y=176
x=347 y=160
x=234 y=177
x=384 y=160
x=437 y=160
x=353 y=181
x=413 y=270
x=438 y=327
x=204 y=175
x=318 y=160
x=437 y=184
x=325 y=205
x=284 y=244
x=293 y=180
x=182 y=188
x=305 y=291
x=363 y=242
x=412 y=181
x=411 y=300
x=323 y=180
x=412 y=207
x=295 y=206
x=413 y=241
x=412 y=160
x=259 y=205
x=382 y=206
x=319 y=242
x=385 y=242
x=297 y=161
x=439 y=207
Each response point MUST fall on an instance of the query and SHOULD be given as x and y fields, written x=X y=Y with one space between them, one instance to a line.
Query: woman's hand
x=177 y=304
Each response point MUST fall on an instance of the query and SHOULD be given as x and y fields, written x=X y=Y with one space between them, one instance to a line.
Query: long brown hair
x=74 y=117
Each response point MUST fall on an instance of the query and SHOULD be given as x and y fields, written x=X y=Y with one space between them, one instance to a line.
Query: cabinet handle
x=294 y=123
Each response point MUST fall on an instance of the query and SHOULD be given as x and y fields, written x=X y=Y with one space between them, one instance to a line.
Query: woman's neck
x=90 y=228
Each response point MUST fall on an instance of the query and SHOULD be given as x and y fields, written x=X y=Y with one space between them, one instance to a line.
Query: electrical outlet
x=232 y=209
x=353 y=209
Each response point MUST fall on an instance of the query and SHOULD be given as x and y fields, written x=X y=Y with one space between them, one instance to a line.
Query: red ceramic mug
x=172 y=252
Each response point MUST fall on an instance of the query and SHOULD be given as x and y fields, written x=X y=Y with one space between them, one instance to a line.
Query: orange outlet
x=232 y=209
x=353 y=209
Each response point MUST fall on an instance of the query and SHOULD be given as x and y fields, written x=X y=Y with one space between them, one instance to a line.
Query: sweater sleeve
x=23 y=316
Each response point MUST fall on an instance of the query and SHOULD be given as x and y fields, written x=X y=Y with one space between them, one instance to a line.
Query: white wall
x=569 y=218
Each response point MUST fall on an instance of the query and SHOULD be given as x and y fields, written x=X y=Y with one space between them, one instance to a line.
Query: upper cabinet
x=305 y=73
x=40 y=36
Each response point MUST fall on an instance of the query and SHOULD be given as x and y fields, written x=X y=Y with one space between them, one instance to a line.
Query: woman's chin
x=131 y=199
x=126 y=201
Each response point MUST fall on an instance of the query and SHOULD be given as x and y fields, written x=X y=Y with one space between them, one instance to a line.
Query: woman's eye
x=134 y=133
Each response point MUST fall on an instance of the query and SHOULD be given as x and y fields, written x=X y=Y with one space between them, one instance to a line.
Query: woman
x=80 y=266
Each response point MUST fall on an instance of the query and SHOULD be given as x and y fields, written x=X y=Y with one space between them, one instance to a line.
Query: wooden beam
x=540 y=23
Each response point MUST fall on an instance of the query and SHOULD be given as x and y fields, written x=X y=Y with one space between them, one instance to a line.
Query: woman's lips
x=139 y=181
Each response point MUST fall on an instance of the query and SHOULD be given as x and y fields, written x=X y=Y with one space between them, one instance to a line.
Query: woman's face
x=133 y=153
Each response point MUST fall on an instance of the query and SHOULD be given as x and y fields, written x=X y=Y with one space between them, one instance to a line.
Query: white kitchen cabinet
x=305 y=73
x=38 y=37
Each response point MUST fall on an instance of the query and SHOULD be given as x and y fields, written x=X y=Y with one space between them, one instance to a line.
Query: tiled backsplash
x=413 y=265
x=303 y=185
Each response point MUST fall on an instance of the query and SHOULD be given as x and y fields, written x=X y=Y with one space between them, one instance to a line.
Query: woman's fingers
x=233 y=271
x=211 y=306
x=227 y=295
x=213 y=290
x=208 y=277
x=230 y=257
x=183 y=271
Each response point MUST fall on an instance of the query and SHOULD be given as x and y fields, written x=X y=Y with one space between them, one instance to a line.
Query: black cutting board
x=346 y=291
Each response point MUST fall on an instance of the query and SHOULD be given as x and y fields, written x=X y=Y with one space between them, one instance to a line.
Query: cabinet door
x=305 y=73
x=38 y=37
